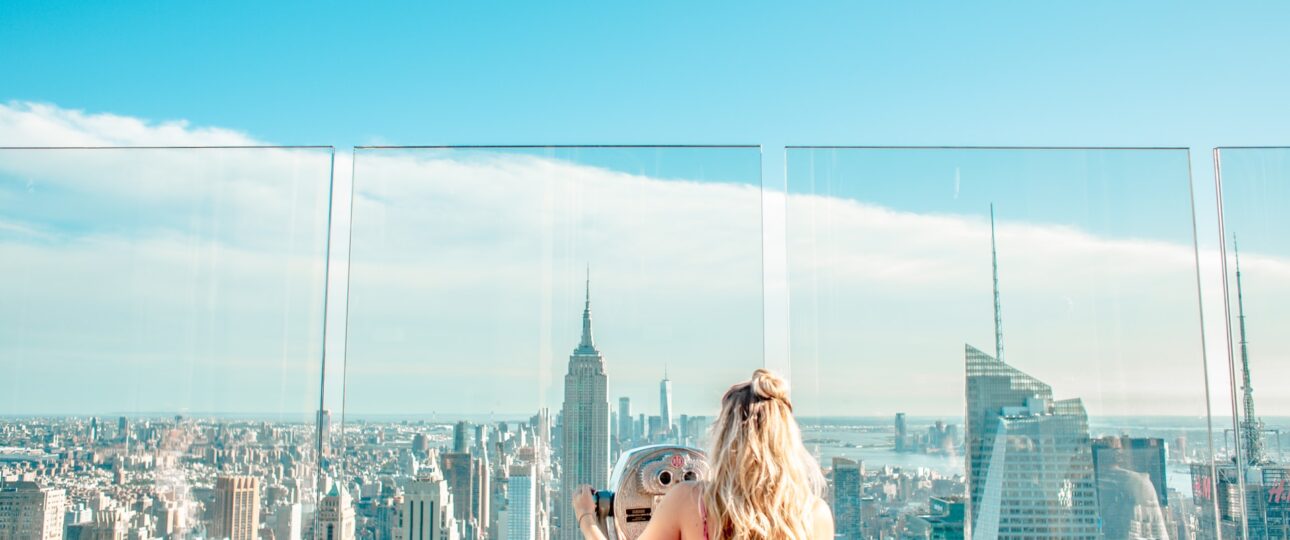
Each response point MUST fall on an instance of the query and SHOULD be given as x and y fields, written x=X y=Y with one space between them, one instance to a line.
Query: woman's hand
x=584 y=509
x=584 y=502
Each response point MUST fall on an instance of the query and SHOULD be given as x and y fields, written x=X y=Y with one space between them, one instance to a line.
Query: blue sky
x=1052 y=73
x=773 y=73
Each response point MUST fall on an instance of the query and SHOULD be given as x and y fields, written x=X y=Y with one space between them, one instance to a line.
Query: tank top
x=703 y=513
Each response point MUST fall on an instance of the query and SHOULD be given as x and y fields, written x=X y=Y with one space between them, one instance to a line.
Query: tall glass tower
x=665 y=404
x=626 y=433
x=584 y=455
x=1030 y=462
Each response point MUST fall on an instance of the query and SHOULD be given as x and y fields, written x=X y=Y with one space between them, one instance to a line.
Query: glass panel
x=1255 y=189
x=1000 y=340
x=161 y=339
x=472 y=365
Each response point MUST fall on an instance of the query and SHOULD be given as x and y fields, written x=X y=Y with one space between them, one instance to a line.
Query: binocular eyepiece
x=638 y=483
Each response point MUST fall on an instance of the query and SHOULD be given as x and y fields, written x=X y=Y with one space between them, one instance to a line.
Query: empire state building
x=584 y=457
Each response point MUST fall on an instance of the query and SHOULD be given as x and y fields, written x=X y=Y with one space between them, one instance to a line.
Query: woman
x=764 y=484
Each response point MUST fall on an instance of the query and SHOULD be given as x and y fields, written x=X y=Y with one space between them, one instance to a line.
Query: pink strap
x=704 y=513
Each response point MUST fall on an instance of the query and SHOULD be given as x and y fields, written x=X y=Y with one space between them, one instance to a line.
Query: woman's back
x=763 y=484
x=681 y=514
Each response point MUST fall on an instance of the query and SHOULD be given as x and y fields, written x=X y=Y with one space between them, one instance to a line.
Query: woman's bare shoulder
x=823 y=519
x=687 y=494
x=677 y=514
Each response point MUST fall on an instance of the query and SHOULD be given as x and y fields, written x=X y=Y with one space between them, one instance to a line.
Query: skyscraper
x=30 y=512
x=421 y=445
x=626 y=431
x=1029 y=457
x=584 y=450
x=1131 y=493
x=1030 y=466
x=656 y=430
x=324 y=432
x=287 y=521
x=1252 y=491
x=461 y=437
x=108 y=524
x=335 y=516
x=427 y=511
x=521 y=506
x=902 y=432
x=944 y=518
x=480 y=443
x=665 y=403
x=847 y=477
x=695 y=430
x=467 y=479
x=1251 y=425
x=237 y=500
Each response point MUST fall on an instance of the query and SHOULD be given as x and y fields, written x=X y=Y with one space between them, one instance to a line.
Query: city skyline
x=242 y=301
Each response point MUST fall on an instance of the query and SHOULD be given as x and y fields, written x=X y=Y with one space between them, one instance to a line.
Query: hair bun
x=768 y=385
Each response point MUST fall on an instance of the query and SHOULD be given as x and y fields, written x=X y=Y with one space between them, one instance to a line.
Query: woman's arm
x=665 y=524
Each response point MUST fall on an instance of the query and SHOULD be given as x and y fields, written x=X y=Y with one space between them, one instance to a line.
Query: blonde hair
x=764 y=483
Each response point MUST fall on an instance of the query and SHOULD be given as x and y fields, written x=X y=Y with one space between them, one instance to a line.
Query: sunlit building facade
x=426 y=512
x=237 y=502
x=335 y=516
x=29 y=511
x=1029 y=457
x=584 y=457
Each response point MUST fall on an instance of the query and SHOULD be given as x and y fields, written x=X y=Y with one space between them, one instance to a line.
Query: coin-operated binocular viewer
x=640 y=479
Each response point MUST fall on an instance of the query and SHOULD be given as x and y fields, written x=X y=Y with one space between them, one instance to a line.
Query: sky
x=774 y=74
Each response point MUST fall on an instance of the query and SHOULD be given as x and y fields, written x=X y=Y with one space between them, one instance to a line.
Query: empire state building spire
x=584 y=452
x=586 y=344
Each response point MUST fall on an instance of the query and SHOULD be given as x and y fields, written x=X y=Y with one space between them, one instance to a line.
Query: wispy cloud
x=467 y=268
x=41 y=124
x=147 y=279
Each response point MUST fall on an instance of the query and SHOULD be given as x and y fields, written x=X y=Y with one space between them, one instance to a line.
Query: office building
x=287 y=521
x=584 y=449
x=468 y=482
x=902 y=433
x=324 y=432
x=461 y=437
x=427 y=508
x=521 y=505
x=335 y=516
x=1253 y=491
x=237 y=504
x=1131 y=491
x=29 y=511
x=944 y=519
x=626 y=429
x=665 y=404
x=1029 y=457
x=847 y=477
x=1030 y=464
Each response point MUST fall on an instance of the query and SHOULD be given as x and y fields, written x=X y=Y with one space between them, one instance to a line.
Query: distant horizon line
x=437 y=416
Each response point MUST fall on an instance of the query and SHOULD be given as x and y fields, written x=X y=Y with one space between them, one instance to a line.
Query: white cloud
x=42 y=124
x=467 y=269
x=467 y=283
x=886 y=300
x=157 y=279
